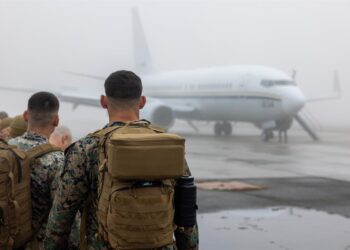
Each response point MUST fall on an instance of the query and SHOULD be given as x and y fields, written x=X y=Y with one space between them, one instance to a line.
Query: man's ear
x=64 y=138
x=56 y=120
x=103 y=101
x=142 y=102
x=26 y=115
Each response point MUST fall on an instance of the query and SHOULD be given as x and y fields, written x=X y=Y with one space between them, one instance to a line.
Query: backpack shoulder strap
x=105 y=131
x=2 y=141
x=157 y=129
x=42 y=149
x=16 y=151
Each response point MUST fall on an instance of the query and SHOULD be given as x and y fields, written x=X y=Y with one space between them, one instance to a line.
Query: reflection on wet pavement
x=286 y=228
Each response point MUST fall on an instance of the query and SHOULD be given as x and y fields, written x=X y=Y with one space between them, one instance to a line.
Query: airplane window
x=270 y=83
x=267 y=83
x=283 y=82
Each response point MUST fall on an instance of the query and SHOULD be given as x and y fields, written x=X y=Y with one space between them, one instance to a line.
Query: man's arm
x=56 y=167
x=187 y=238
x=73 y=189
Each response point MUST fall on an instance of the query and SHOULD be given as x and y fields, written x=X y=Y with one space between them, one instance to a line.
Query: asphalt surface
x=305 y=203
x=331 y=196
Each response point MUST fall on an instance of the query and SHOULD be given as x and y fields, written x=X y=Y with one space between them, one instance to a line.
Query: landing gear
x=267 y=135
x=284 y=134
x=217 y=129
x=223 y=128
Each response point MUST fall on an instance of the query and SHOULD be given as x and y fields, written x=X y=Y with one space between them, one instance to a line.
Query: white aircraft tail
x=143 y=62
x=336 y=84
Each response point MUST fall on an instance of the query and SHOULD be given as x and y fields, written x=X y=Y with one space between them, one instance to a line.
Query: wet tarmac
x=276 y=228
x=305 y=204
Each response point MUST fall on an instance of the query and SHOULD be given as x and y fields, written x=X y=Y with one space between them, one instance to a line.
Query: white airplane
x=264 y=96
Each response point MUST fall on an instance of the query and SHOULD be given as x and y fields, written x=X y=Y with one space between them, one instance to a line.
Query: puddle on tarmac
x=286 y=228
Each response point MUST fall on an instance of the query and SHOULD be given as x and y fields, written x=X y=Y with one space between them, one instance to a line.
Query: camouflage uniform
x=77 y=185
x=43 y=181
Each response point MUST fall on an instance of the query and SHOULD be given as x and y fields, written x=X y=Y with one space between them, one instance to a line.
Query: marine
x=42 y=117
x=78 y=184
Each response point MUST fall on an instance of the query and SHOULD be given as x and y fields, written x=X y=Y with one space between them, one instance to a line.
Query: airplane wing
x=23 y=90
x=93 y=101
x=86 y=75
x=324 y=98
x=75 y=99
x=156 y=111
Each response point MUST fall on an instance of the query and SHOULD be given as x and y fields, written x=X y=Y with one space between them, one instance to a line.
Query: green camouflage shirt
x=77 y=185
x=43 y=181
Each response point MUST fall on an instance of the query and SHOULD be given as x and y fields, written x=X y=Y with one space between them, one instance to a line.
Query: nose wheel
x=223 y=128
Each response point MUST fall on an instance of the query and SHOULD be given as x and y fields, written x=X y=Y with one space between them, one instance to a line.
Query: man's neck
x=124 y=116
x=46 y=132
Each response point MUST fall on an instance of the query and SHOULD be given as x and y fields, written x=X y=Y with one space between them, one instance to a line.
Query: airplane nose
x=294 y=102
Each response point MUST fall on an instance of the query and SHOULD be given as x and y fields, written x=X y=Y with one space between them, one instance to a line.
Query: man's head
x=3 y=115
x=123 y=92
x=18 y=126
x=61 y=137
x=42 y=111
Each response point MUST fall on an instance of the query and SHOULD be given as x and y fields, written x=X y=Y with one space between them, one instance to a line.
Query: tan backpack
x=138 y=167
x=16 y=227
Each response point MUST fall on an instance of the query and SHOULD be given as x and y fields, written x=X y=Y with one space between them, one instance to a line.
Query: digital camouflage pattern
x=78 y=190
x=43 y=178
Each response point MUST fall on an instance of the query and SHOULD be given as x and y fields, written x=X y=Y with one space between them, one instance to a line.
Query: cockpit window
x=270 y=83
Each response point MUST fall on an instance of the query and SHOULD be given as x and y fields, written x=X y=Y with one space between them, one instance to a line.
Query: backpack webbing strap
x=157 y=129
x=42 y=149
x=83 y=230
x=142 y=123
x=10 y=243
x=105 y=131
x=2 y=141
x=4 y=145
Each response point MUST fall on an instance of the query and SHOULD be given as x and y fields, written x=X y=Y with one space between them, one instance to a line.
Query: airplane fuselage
x=238 y=93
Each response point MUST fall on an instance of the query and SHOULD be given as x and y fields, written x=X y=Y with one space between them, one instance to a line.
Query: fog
x=42 y=40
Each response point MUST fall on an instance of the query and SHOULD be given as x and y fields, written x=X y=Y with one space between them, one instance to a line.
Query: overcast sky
x=40 y=40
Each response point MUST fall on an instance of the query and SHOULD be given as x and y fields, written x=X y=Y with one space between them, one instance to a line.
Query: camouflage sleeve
x=73 y=189
x=57 y=165
x=187 y=237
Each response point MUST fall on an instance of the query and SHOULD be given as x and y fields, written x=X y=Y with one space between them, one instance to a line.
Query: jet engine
x=158 y=113
x=284 y=124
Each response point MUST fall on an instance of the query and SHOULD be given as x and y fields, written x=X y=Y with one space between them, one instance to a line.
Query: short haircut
x=41 y=108
x=123 y=85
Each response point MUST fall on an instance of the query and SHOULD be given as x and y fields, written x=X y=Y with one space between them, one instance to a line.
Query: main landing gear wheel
x=223 y=128
x=267 y=135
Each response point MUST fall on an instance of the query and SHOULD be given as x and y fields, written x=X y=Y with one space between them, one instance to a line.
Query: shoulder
x=55 y=157
x=82 y=154
x=51 y=161
x=83 y=145
x=23 y=143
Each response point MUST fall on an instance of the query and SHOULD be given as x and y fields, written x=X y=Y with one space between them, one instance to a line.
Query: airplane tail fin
x=143 y=61
x=336 y=84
